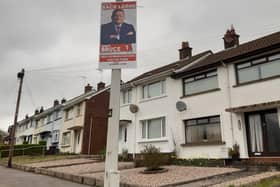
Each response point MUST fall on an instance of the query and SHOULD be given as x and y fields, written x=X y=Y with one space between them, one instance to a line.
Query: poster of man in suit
x=118 y=35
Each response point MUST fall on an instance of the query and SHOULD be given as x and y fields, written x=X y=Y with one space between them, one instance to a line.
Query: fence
x=30 y=150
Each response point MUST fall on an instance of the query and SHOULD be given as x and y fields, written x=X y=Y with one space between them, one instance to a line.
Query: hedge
x=34 y=149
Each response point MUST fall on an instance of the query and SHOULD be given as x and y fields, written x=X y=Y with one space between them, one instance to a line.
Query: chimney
x=185 y=51
x=231 y=39
x=55 y=103
x=41 y=109
x=26 y=116
x=36 y=112
x=63 y=100
x=100 y=86
x=88 y=88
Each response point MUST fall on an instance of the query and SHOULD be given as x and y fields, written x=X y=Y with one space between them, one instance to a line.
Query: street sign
x=118 y=35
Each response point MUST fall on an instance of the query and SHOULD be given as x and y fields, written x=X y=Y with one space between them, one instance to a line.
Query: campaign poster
x=118 y=35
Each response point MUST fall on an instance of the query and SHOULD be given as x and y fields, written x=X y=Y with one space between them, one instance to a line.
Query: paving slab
x=62 y=162
x=249 y=180
x=89 y=168
x=176 y=175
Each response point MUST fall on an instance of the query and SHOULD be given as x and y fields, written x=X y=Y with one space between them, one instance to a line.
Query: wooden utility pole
x=20 y=76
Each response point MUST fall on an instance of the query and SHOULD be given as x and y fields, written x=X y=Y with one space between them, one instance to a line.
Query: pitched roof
x=173 y=66
x=272 y=40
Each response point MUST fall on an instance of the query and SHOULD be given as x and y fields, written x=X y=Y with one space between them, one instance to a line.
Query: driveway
x=16 y=178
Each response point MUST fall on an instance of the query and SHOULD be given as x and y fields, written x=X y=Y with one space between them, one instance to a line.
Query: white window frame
x=63 y=138
x=79 y=110
x=126 y=96
x=146 y=88
x=146 y=124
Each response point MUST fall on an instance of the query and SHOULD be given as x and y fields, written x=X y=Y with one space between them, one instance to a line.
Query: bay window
x=153 y=128
x=203 y=130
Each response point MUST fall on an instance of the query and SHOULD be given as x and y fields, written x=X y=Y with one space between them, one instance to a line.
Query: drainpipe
x=136 y=99
x=229 y=100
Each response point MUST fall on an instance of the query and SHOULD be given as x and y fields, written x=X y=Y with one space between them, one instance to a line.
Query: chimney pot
x=100 y=86
x=88 y=88
x=185 y=51
x=231 y=39
x=63 y=100
x=55 y=102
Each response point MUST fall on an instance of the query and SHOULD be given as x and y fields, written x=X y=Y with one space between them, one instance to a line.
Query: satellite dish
x=181 y=106
x=133 y=108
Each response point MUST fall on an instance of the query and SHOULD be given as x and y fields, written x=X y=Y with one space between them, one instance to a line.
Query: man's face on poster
x=118 y=17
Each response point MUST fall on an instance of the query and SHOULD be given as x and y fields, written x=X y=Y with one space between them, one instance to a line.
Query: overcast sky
x=57 y=41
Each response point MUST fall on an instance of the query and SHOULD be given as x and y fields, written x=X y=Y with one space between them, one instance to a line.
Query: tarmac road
x=17 y=178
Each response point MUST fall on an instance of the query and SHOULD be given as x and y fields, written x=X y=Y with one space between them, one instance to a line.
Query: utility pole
x=112 y=175
x=20 y=76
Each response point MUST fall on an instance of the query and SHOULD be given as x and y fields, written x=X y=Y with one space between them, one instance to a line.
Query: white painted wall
x=203 y=105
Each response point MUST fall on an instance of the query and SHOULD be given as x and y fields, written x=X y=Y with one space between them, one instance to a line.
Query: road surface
x=17 y=178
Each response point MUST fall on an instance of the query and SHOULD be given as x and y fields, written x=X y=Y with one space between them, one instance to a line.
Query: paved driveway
x=16 y=178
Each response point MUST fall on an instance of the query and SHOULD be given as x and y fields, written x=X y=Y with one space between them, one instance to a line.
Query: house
x=148 y=106
x=24 y=131
x=84 y=126
x=224 y=98
x=3 y=134
x=47 y=124
x=44 y=125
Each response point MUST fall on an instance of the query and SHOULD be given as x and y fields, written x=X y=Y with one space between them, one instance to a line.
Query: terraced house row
x=198 y=106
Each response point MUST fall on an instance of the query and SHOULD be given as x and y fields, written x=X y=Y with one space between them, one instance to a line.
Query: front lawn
x=272 y=182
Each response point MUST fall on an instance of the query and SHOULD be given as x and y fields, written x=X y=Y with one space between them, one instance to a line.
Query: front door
x=263 y=133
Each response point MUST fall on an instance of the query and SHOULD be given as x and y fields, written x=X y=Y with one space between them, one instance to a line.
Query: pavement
x=17 y=178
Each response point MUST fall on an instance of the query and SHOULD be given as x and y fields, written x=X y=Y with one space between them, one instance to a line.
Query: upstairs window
x=55 y=136
x=49 y=118
x=258 y=69
x=153 y=128
x=202 y=130
x=154 y=89
x=127 y=96
x=79 y=106
x=56 y=114
x=200 y=83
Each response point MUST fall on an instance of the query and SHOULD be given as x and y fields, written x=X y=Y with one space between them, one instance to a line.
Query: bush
x=42 y=143
x=25 y=142
x=24 y=149
x=234 y=152
x=152 y=157
x=202 y=162
x=124 y=156
x=102 y=153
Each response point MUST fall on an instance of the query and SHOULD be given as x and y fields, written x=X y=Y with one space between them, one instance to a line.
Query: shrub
x=234 y=152
x=102 y=153
x=124 y=156
x=24 y=149
x=25 y=142
x=42 y=143
x=152 y=157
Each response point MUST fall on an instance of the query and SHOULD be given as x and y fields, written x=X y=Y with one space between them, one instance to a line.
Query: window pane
x=213 y=132
x=145 y=92
x=154 y=128
x=162 y=87
x=259 y=61
x=248 y=74
x=215 y=120
x=144 y=128
x=191 y=122
x=203 y=133
x=270 y=69
x=202 y=121
x=277 y=56
x=212 y=74
x=201 y=85
x=155 y=89
x=244 y=65
x=129 y=96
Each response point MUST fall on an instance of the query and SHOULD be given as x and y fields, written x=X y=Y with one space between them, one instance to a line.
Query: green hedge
x=34 y=149
x=199 y=162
